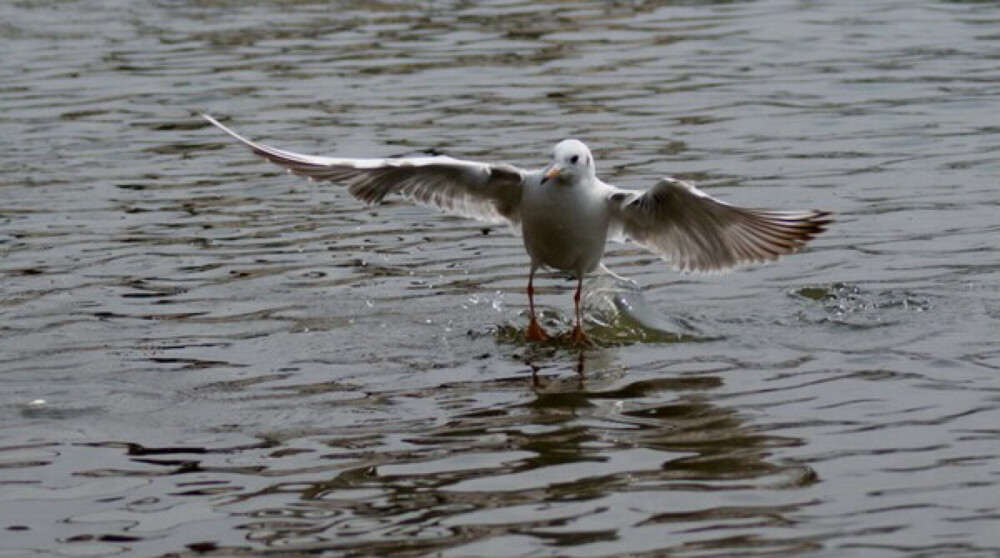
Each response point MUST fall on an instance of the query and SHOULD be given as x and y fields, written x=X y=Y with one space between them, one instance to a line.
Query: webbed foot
x=535 y=332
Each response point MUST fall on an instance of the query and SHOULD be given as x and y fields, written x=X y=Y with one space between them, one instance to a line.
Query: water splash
x=854 y=306
x=617 y=312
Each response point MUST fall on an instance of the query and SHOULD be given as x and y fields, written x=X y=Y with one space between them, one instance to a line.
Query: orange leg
x=578 y=336
x=534 y=331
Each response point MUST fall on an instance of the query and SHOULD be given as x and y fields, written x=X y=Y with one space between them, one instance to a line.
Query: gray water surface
x=203 y=356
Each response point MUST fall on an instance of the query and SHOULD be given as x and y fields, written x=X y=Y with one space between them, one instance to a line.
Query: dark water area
x=203 y=356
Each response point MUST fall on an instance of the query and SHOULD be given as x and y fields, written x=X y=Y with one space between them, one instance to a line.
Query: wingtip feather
x=211 y=120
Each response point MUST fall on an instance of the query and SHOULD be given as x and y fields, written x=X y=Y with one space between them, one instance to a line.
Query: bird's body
x=564 y=227
x=567 y=214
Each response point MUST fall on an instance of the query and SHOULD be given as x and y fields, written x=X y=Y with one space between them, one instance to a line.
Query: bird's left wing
x=696 y=232
x=488 y=192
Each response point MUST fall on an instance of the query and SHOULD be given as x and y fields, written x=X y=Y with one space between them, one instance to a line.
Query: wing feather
x=488 y=192
x=696 y=232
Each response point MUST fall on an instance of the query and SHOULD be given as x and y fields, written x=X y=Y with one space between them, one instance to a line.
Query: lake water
x=203 y=356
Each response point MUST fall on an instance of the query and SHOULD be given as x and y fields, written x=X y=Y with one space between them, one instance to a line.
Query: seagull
x=566 y=213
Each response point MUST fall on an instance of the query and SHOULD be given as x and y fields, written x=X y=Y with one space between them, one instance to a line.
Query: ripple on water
x=236 y=362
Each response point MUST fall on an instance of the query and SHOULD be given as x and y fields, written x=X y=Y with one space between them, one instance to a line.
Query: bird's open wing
x=696 y=232
x=482 y=191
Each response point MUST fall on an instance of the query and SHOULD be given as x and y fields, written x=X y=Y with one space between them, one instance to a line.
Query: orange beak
x=552 y=173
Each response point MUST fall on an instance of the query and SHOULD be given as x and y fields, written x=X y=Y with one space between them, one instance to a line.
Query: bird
x=566 y=214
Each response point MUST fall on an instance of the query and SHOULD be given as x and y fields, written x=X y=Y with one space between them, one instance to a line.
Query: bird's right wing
x=696 y=232
x=488 y=192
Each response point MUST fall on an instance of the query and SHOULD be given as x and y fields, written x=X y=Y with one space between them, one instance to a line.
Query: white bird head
x=571 y=161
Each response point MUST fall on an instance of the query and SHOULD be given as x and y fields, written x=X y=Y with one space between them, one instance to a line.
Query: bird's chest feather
x=565 y=229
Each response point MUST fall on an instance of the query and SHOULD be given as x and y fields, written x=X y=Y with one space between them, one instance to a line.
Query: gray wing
x=481 y=191
x=696 y=232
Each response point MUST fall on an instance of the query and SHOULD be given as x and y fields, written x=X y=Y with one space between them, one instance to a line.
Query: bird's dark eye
x=574 y=159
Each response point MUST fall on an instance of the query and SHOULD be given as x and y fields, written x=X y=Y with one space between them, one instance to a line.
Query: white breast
x=565 y=227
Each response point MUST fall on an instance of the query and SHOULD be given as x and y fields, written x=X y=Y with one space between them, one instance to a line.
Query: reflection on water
x=559 y=467
x=200 y=356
